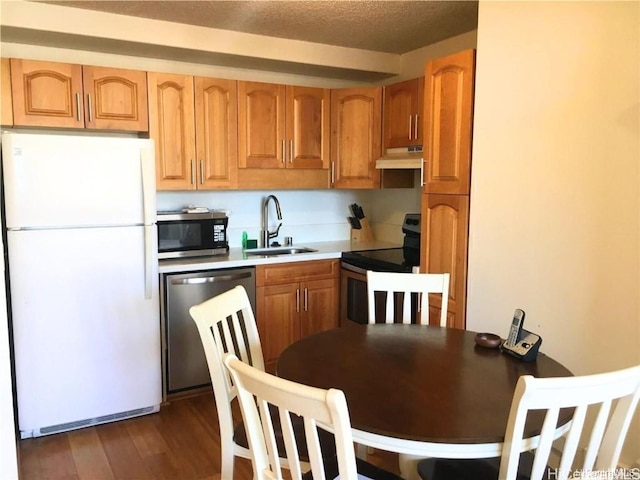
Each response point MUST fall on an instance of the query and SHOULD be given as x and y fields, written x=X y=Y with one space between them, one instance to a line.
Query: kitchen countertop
x=237 y=257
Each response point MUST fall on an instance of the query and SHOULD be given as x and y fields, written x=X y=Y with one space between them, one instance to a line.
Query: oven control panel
x=411 y=224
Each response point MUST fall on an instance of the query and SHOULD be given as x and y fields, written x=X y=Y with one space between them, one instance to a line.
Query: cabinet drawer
x=296 y=272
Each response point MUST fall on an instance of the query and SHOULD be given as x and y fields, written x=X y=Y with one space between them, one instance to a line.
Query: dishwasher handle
x=211 y=279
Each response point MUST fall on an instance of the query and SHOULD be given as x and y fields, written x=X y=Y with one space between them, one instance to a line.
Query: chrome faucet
x=266 y=235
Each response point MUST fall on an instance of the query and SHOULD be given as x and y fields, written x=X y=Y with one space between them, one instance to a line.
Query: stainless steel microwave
x=192 y=234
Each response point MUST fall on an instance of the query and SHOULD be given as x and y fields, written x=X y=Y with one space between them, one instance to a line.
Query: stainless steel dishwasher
x=184 y=359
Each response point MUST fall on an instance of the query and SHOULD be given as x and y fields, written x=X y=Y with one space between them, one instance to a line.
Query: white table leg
x=361 y=451
x=409 y=466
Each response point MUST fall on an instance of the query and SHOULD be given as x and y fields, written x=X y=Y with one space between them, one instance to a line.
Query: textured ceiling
x=383 y=26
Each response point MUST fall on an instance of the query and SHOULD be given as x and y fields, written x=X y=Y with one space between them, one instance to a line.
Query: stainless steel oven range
x=353 y=295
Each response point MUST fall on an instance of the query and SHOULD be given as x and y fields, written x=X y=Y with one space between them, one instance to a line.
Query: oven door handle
x=353 y=268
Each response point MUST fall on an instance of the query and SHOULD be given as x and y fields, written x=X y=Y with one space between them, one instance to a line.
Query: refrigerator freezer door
x=87 y=341
x=64 y=180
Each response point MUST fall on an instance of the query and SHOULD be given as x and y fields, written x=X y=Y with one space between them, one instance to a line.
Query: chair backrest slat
x=403 y=285
x=615 y=395
x=318 y=407
x=222 y=330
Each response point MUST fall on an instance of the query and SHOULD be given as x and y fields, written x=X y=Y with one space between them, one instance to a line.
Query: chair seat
x=471 y=469
x=327 y=440
x=365 y=469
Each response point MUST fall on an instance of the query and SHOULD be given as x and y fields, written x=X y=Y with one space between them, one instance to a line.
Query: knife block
x=362 y=234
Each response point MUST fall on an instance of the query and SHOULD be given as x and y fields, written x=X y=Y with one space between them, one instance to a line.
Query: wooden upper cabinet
x=261 y=125
x=47 y=94
x=403 y=110
x=448 y=114
x=283 y=126
x=5 y=86
x=194 y=124
x=52 y=94
x=216 y=132
x=308 y=123
x=171 y=126
x=115 y=99
x=356 y=123
x=443 y=249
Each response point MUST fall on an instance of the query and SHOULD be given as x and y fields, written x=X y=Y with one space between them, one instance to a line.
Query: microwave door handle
x=217 y=278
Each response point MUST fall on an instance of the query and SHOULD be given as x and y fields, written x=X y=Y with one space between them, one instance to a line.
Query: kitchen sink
x=273 y=251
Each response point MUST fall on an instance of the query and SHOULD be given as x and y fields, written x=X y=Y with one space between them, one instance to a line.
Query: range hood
x=406 y=158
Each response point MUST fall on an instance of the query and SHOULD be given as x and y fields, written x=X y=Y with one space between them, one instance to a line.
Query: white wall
x=555 y=218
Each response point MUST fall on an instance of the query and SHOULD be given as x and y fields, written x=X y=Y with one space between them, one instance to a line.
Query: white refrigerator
x=83 y=279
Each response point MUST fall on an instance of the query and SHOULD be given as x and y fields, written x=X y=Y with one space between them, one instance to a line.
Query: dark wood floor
x=180 y=442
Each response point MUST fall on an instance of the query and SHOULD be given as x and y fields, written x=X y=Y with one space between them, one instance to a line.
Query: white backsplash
x=307 y=215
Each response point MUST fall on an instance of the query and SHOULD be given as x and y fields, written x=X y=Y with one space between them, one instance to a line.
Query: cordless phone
x=516 y=327
x=520 y=343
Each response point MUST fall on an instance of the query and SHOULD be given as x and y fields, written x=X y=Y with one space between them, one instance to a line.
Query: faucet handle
x=275 y=234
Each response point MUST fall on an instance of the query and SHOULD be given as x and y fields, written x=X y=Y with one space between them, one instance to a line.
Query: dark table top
x=417 y=382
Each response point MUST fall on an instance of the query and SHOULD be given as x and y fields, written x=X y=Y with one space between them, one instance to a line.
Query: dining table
x=420 y=390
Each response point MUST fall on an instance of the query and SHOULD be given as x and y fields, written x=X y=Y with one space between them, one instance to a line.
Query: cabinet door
x=307 y=112
x=261 y=125
x=115 y=99
x=5 y=84
x=356 y=123
x=171 y=121
x=319 y=306
x=278 y=319
x=216 y=133
x=403 y=106
x=445 y=228
x=46 y=94
x=448 y=118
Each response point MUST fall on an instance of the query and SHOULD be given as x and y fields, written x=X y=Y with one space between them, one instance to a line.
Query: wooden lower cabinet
x=443 y=249
x=294 y=300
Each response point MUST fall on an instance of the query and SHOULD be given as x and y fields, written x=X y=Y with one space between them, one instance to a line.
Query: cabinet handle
x=297 y=299
x=201 y=172
x=410 y=129
x=333 y=173
x=306 y=300
x=90 y=107
x=291 y=151
x=193 y=171
x=78 y=108
x=422 y=173
x=415 y=128
x=284 y=152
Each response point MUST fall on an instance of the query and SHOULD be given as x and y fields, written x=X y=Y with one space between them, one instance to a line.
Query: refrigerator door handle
x=147 y=164
x=150 y=259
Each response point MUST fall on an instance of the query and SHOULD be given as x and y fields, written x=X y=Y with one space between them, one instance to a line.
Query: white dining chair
x=402 y=285
x=612 y=397
x=226 y=323
x=320 y=409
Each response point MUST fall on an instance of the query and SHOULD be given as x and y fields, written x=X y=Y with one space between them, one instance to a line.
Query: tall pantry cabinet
x=448 y=120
